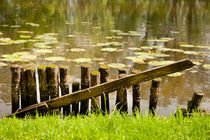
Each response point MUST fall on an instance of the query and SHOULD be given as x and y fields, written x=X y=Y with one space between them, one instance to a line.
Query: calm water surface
x=89 y=22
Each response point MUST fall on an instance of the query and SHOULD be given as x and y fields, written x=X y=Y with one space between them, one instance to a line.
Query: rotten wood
x=154 y=92
x=85 y=83
x=95 y=80
x=104 y=73
x=112 y=85
x=136 y=94
x=121 y=101
x=75 y=105
x=194 y=103
x=44 y=96
x=15 y=87
x=64 y=86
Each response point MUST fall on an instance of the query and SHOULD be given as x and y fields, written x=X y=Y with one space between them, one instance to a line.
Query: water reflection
x=90 y=21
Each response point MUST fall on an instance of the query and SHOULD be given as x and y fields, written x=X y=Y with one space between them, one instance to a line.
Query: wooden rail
x=106 y=87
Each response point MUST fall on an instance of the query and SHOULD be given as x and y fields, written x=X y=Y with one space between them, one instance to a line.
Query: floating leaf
x=43 y=51
x=161 y=55
x=117 y=65
x=33 y=24
x=71 y=36
x=160 y=63
x=25 y=32
x=42 y=45
x=19 y=41
x=103 y=44
x=99 y=59
x=109 y=49
x=191 y=52
x=206 y=66
x=196 y=63
x=115 y=31
x=25 y=36
x=3 y=64
x=82 y=60
x=55 y=58
x=15 y=26
x=77 y=50
x=51 y=34
x=175 y=74
x=187 y=45
x=134 y=49
x=1 y=33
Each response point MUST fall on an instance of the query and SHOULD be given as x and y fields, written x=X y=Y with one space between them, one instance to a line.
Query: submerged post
x=43 y=83
x=85 y=83
x=64 y=86
x=15 y=87
x=104 y=73
x=121 y=100
x=136 y=94
x=95 y=80
x=154 y=92
x=75 y=106
x=194 y=103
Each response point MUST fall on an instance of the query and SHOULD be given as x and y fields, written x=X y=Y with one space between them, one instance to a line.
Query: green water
x=90 y=22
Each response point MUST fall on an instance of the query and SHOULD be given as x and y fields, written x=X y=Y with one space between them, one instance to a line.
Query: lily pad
x=25 y=32
x=77 y=50
x=187 y=45
x=175 y=74
x=19 y=41
x=117 y=65
x=134 y=49
x=3 y=64
x=25 y=36
x=42 y=45
x=191 y=52
x=82 y=60
x=206 y=66
x=109 y=49
x=15 y=26
x=160 y=63
x=55 y=58
x=161 y=55
x=43 y=51
x=33 y=24
x=51 y=34
x=1 y=33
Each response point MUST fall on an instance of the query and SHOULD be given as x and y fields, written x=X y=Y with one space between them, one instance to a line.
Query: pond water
x=110 y=31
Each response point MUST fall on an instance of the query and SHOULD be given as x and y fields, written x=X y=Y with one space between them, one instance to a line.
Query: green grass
x=114 y=126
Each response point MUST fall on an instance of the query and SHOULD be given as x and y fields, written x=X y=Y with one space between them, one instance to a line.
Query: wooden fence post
x=31 y=86
x=23 y=88
x=75 y=106
x=136 y=94
x=104 y=73
x=15 y=87
x=194 y=103
x=64 y=86
x=85 y=83
x=121 y=100
x=95 y=80
x=154 y=92
x=44 y=95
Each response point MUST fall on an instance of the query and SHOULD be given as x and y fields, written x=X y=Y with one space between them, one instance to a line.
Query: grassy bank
x=113 y=126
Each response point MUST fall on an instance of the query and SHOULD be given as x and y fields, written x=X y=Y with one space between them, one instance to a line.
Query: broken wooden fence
x=24 y=88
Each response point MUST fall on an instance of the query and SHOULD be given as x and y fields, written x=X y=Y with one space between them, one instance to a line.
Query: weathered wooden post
x=104 y=73
x=85 y=83
x=44 y=95
x=136 y=94
x=75 y=106
x=15 y=87
x=52 y=81
x=121 y=100
x=31 y=86
x=64 y=86
x=154 y=92
x=23 y=88
x=95 y=80
x=194 y=103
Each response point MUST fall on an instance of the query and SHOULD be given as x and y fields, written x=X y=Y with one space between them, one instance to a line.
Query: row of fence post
x=24 y=88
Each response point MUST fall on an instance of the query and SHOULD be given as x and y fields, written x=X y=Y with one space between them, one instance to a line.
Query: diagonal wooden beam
x=108 y=87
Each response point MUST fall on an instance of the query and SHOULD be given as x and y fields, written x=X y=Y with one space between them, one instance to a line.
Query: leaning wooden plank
x=113 y=85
